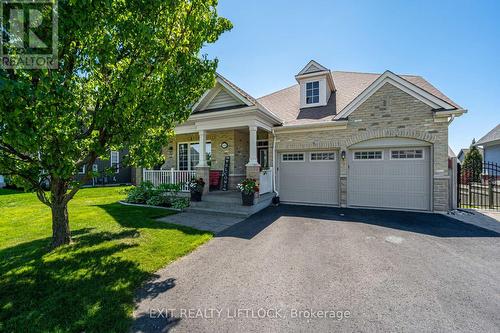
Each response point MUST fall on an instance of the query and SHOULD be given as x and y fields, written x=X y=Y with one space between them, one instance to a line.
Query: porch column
x=253 y=167
x=202 y=169
x=203 y=148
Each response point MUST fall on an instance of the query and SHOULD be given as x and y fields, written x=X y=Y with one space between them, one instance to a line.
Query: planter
x=248 y=199
x=196 y=196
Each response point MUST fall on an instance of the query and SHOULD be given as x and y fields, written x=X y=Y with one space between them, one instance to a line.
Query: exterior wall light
x=342 y=154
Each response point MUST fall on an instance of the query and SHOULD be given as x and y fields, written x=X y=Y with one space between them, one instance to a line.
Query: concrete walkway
x=203 y=221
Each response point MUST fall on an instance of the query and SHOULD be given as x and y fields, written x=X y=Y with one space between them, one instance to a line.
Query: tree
x=128 y=72
x=473 y=163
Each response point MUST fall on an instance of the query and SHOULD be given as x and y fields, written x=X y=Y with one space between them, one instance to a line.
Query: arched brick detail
x=387 y=133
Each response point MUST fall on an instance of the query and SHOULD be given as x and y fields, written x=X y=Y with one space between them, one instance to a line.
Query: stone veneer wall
x=389 y=112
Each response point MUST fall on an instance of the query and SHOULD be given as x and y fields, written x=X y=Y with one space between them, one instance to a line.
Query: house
x=464 y=151
x=491 y=145
x=2 y=181
x=334 y=138
x=109 y=171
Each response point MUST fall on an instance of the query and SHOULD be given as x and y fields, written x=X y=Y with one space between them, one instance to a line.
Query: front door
x=262 y=157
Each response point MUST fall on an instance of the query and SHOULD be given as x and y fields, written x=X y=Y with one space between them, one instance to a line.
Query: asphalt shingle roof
x=285 y=103
x=492 y=135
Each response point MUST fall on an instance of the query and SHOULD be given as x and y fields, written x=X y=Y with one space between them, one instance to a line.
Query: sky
x=454 y=44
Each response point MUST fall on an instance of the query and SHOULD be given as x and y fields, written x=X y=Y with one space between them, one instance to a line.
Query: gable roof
x=285 y=103
x=464 y=151
x=228 y=88
x=312 y=67
x=493 y=135
x=401 y=83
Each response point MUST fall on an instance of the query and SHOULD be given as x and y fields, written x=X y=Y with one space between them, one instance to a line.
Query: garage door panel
x=309 y=181
x=390 y=182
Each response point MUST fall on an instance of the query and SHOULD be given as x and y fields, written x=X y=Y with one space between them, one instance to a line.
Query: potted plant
x=248 y=187
x=196 y=188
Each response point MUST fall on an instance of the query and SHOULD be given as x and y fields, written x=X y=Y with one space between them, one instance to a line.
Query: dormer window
x=312 y=92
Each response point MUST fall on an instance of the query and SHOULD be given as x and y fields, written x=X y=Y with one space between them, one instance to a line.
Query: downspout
x=274 y=164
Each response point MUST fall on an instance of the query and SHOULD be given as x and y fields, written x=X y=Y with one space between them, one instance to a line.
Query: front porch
x=223 y=158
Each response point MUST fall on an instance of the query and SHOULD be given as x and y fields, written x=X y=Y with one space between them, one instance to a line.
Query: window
x=368 y=155
x=407 y=154
x=323 y=156
x=312 y=92
x=115 y=161
x=81 y=171
x=189 y=155
x=292 y=157
x=94 y=168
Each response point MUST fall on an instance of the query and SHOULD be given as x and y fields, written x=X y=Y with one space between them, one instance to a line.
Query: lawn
x=87 y=286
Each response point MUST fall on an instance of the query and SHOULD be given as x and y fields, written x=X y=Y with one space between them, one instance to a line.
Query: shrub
x=165 y=195
x=158 y=200
x=140 y=194
x=180 y=203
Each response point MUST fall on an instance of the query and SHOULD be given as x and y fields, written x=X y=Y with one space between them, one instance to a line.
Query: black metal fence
x=478 y=185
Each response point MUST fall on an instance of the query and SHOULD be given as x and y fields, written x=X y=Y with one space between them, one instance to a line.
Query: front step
x=233 y=207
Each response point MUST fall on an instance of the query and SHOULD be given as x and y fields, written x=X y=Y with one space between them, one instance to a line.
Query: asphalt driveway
x=296 y=268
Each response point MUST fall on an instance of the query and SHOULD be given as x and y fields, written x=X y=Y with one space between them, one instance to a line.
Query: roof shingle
x=285 y=103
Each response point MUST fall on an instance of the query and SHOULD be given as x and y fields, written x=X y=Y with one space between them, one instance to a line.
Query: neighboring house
x=491 y=145
x=110 y=171
x=2 y=181
x=334 y=138
x=451 y=153
x=464 y=151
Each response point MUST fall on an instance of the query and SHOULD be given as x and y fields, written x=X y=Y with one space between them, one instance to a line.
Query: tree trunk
x=61 y=233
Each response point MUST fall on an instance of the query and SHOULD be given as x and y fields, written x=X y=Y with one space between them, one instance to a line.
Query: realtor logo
x=28 y=34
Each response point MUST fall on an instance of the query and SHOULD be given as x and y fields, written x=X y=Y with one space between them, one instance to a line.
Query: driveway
x=367 y=270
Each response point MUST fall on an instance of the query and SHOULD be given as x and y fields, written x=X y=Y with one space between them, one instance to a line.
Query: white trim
x=367 y=159
x=322 y=152
x=290 y=153
x=315 y=64
x=312 y=82
x=406 y=159
x=234 y=92
x=84 y=169
x=398 y=82
x=210 y=97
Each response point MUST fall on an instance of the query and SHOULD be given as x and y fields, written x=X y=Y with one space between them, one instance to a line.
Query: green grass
x=88 y=285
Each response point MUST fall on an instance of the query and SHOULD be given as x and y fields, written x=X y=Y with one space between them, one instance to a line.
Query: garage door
x=309 y=177
x=389 y=178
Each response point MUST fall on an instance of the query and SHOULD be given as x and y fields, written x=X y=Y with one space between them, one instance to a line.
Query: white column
x=253 y=146
x=203 y=148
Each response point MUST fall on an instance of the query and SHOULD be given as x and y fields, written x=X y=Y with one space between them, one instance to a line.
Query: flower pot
x=248 y=199
x=196 y=196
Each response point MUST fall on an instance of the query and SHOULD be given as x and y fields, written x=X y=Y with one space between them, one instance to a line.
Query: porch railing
x=172 y=176
x=266 y=181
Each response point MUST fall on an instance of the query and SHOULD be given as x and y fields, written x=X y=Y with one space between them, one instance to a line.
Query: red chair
x=214 y=180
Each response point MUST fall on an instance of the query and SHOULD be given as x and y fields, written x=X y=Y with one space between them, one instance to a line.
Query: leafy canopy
x=128 y=71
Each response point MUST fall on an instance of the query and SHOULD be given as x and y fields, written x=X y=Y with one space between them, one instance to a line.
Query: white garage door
x=309 y=177
x=389 y=178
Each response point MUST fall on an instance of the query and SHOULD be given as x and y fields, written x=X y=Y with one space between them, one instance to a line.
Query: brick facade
x=389 y=112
